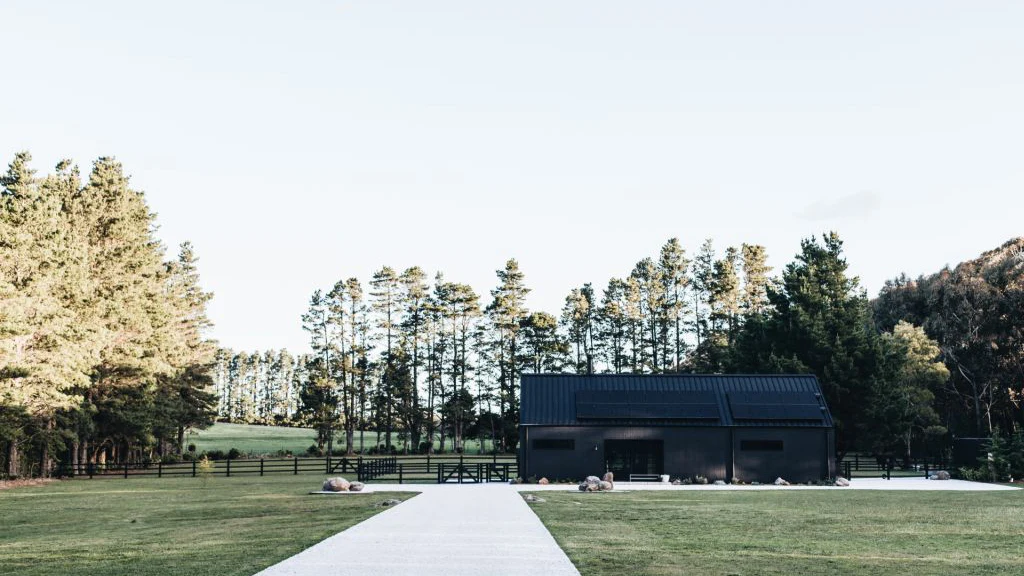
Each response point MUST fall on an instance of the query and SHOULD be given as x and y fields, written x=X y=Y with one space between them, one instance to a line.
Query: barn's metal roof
x=793 y=400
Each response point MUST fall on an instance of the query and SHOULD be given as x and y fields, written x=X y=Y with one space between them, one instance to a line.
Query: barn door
x=625 y=457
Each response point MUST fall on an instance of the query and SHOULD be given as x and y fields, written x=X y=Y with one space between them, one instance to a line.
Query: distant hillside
x=975 y=311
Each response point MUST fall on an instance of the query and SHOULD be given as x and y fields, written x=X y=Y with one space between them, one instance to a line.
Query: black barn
x=750 y=427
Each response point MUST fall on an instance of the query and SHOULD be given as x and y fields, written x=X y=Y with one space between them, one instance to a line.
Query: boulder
x=719 y=483
x=389 y=503
x=605 y=486
x=337 y=484
x=942 y=475
x=532 y=498
x=543 y=481
x=356 y=487
x=780 y=482
x=840 y=481
x=677 y=482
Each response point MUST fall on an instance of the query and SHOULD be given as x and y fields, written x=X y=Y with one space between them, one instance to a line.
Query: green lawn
x=233 y=526
x=256 y=440
x=264 y=440
x=800 y=532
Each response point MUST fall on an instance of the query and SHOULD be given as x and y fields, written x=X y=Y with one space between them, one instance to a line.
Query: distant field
x=168 y=527
x=262 y=440
x=820 y=532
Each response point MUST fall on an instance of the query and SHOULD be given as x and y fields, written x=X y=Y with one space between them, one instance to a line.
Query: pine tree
x=755 y=279
x=820 y=323
x=385 y=294
x=613 y=323
x=507 y=311
x=673 y=265
x=703 y=271
x=415 y=297
x=45 y=362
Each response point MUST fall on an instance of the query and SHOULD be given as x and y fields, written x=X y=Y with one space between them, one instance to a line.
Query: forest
x=105 y=353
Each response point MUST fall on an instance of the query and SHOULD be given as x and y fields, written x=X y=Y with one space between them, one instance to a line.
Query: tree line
x=420 y=363
x=102 y=347
x=103 y=354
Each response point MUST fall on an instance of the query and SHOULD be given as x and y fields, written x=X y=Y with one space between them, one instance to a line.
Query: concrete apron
x=446 y=530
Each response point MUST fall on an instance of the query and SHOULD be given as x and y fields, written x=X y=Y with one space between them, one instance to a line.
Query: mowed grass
x=233 y=526
x=251 y=439
x=266 y=440
x=799 y=532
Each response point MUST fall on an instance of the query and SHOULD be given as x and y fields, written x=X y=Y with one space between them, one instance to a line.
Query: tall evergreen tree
x=507 y=311
x=674 y=265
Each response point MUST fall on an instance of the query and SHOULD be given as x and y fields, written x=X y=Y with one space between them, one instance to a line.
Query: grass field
x=775 y=533
x=264 y=440
x=233 y=526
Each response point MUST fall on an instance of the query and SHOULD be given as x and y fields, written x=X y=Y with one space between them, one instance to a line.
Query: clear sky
x=297 y=143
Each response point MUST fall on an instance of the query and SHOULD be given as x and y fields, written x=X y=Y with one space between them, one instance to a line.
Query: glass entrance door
x=625 y=457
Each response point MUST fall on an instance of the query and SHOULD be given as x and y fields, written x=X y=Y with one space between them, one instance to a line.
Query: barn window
x=761 y=445
x=552 y=444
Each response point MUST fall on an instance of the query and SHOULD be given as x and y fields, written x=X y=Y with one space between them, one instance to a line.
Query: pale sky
x=298 y=143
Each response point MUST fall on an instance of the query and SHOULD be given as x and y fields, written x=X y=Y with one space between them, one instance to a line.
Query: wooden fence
x=856 y=465
x=399 y=469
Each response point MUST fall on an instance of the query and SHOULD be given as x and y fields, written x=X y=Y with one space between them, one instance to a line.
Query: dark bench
x=645 y=478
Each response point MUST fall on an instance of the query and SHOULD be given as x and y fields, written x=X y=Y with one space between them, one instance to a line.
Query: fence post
x=399 y=473
x=160 y=469
x=261 y=466
x=295 y=462
x=359 y=469
x=193 y=468
x=229 y=468
x=126 y=469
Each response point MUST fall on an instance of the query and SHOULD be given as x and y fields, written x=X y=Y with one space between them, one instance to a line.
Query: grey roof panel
x=673 y=400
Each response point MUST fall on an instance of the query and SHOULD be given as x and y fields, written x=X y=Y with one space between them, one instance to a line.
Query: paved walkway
x=473 y=530
x=446 y=530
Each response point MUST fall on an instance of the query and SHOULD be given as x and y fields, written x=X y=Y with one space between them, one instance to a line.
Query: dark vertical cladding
x=754 y=428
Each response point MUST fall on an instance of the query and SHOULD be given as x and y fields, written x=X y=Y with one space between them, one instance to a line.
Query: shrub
x=192 y=448
x=234 y=454
x=698 y=479
x=313 y=450
x=170 y=459
x=204 y=469
x=215 y=454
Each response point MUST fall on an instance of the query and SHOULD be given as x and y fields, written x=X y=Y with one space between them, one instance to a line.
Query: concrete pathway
x=466 y=530
x=487 y=529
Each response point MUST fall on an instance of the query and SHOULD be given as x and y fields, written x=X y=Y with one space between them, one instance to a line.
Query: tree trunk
x=13 y=458
x=181 y=441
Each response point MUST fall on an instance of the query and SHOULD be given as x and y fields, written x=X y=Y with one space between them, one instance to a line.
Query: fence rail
x=385 y=469
x=854 y=465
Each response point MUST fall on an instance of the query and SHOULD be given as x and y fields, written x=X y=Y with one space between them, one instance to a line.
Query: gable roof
x=673 y=400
